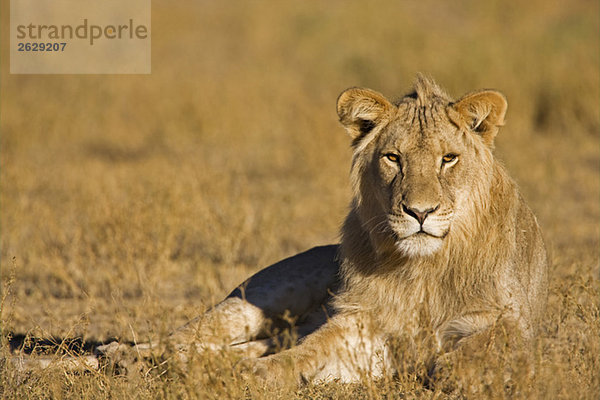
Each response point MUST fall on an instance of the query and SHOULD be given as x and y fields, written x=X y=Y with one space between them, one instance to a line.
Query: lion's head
x=421 y=166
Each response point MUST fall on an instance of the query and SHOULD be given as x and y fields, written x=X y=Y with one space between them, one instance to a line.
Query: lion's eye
x=395 y=158
x=449 y=158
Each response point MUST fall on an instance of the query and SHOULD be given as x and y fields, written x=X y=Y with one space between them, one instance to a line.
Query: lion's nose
x=417 y=214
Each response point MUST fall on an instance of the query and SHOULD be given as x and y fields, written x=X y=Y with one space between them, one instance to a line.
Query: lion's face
x=418 y=164
x=418 y=177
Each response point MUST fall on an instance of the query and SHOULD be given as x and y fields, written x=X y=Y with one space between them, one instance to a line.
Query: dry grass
x=131 y=203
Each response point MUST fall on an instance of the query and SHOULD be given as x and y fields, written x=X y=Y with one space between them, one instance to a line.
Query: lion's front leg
x=488 y=354
x=345 y=349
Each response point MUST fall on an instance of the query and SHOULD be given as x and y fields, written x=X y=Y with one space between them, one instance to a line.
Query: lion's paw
x=120 y=358
x=270 y=372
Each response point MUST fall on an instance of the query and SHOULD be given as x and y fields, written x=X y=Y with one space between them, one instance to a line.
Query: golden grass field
x=130 y=204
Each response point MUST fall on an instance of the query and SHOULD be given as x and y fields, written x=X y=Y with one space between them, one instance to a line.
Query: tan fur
x=487 y=266
x=437 y=250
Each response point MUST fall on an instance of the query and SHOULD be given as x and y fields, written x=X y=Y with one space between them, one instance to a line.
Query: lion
x=438 y=252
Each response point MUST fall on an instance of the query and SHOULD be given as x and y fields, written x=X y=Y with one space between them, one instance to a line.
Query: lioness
x=438 y=248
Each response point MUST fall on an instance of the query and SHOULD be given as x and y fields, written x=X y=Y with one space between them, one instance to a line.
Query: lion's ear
x=481 y=112
x=361 y=110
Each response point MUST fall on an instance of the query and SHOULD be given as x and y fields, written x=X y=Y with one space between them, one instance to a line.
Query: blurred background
x=130 y=203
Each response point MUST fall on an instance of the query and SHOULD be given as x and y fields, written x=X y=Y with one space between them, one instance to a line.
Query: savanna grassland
x=130 y=204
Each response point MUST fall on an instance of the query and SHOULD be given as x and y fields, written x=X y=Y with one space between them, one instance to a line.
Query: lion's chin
x=419 y=245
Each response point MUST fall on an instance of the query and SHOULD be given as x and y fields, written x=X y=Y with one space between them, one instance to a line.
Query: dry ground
x=131 y=203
